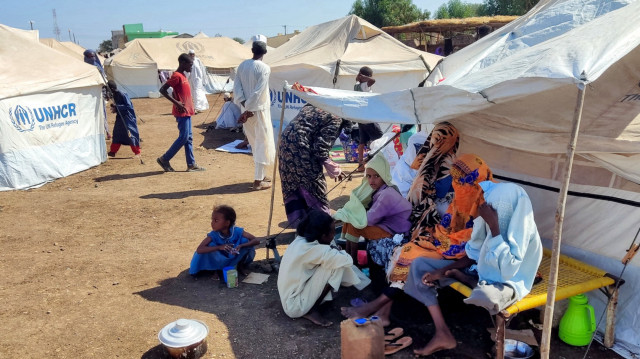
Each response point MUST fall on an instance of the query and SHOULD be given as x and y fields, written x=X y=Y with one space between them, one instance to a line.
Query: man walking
x=182 y=110
x=251 y=91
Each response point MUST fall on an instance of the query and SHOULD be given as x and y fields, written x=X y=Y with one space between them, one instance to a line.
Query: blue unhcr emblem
x=22 y=118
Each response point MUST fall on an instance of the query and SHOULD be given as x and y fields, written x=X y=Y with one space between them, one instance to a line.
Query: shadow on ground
x=230 y=188
x=118 y=177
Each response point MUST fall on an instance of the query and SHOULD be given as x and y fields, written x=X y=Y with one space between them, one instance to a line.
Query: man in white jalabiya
x=196 y=81
x=251 y=92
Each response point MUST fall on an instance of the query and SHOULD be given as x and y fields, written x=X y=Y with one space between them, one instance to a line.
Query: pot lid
x=182 y=333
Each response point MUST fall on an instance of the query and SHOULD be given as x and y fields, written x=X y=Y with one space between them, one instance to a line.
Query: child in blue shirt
x=225 y=246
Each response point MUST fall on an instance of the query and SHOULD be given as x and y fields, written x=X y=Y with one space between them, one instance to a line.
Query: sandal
x=393 y=334
x=398 y=345
x=261 y=186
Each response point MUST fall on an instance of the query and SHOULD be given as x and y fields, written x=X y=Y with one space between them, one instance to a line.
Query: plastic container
x=578 y=323
x=514 y=349
x=360 y=342
x=230 y=276
x=154 y=94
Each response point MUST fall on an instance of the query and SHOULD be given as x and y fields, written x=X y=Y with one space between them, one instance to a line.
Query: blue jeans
x=185 y=138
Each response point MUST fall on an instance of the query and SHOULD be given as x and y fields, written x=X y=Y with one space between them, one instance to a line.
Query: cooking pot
x=185 y=338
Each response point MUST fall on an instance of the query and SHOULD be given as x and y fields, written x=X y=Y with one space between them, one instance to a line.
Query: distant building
x=280 y=39
x=117 y=39
x=136 y=31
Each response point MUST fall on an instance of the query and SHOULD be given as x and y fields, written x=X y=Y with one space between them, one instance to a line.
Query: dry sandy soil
x=95 y=264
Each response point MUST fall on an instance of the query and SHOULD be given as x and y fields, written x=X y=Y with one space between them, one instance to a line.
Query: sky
x=91 y=21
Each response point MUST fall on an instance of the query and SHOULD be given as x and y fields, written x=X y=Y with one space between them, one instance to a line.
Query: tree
x=105 y=46
x=456 y=9
x=506 y=7
x=388 y=12
x=239 y=40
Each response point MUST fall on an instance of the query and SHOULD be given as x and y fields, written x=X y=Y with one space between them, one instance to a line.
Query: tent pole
x=335 y=73
x=557 y=232
x=275 y=162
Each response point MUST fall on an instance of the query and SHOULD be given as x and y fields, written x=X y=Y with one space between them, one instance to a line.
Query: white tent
x=135 y=68
x=51 y=113
x=68 y=48
x=331 y=54
x=513 y=95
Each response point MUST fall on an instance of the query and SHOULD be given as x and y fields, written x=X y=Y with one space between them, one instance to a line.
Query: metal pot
x=185 y=338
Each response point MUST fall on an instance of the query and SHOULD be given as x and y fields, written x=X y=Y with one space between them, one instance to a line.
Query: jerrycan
x=578 y=323
x=362 y=340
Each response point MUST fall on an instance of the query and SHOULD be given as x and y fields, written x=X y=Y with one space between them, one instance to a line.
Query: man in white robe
x=196 y=80
x=251 y=92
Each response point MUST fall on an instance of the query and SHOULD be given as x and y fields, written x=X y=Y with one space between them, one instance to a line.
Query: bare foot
x=439 y=342
x=317 y=319
x=354 y=312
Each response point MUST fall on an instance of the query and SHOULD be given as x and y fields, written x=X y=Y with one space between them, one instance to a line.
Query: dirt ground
x=95 y=264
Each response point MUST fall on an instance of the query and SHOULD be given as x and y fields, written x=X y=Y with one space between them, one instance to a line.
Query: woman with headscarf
x=303 y=155
x=376 y=210
x=449 y=235
x=91 y=58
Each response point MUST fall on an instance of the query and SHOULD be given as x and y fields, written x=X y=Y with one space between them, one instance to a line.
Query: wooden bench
x=574 y=277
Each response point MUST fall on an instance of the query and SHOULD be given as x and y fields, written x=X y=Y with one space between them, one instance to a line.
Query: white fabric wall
x=136 y=82
x=36 y=148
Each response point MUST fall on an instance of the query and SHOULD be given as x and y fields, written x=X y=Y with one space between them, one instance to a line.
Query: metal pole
x=275 y=163
x=557 y=232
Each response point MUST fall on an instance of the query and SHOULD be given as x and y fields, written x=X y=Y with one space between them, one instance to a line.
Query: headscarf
x=433 y=162
x=355 y=210
x=454 y=230
x=93 y=60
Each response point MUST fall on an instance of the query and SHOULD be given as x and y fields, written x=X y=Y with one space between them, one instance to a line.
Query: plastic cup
x=224 y=272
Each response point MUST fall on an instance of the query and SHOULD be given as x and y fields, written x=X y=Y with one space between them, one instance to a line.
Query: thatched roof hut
x=455 y=25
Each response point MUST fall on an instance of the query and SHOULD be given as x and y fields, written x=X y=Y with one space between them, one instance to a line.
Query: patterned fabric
x=304 y=146
x=455 y=227
x=449 y=237
x=433 y=161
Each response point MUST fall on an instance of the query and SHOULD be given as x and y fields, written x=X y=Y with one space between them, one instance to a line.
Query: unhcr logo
x=22 y=118
x=277 y=96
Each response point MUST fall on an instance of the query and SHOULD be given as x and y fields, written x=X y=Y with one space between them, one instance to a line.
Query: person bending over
x=311 y=268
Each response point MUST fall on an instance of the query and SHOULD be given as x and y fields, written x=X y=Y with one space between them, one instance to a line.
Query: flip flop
x=393 y=334
x=398 y=345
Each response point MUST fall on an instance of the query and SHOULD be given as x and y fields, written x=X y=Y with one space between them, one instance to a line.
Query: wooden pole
x=275 y=163
x=557 y=232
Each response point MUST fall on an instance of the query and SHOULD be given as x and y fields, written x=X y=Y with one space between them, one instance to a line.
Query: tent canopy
x=24 y=73
x=68 y=47
x=331 y=55
x=512 y=95
x=214 y=52
x=353 y=41
x=51 y=113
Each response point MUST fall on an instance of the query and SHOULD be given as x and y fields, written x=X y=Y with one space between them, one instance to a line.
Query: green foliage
x=105 y=46
x=456 y=9
x=388 y=12
x=506 y=7
x=239 y=40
